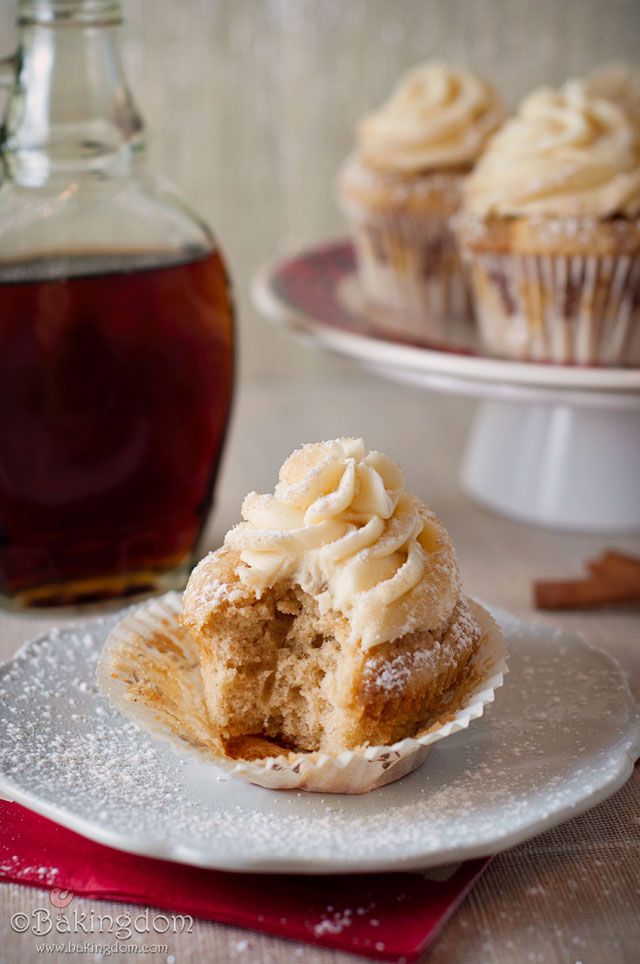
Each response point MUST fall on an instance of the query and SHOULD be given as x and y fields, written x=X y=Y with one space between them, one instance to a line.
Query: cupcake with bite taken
x=333 y=619
x=326 y=645
x=550 y=230
x=400 y=187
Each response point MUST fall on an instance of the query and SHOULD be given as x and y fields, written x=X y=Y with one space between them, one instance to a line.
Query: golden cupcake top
x=566 y=153
x=341 y=525
x=437 y=116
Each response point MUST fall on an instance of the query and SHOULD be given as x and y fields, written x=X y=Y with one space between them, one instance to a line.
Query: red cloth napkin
x=390 y=917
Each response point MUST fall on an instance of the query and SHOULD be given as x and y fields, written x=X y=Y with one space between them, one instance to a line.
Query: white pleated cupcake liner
x=149 y=670
x=569 y=309
x=410 y=274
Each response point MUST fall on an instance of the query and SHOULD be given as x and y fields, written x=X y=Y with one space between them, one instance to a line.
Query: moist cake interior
x=282 y=676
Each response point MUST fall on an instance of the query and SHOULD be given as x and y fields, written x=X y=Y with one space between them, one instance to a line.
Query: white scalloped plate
x=562 y=736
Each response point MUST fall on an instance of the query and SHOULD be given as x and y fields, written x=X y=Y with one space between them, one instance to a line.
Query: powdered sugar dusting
x=207 y=594
x=213 y=593
x=562 y=729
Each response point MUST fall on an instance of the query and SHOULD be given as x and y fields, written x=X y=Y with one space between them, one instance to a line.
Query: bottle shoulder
x=134 y=214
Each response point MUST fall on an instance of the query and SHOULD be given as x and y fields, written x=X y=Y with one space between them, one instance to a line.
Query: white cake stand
x=551 y=445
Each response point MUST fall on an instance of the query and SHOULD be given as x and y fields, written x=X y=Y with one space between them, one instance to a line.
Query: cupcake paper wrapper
x=410 y=272
x=570 y=309
x=149 y=669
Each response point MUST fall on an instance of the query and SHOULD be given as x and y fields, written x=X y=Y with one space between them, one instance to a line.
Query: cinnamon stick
x=614 y=579
x=613 y=564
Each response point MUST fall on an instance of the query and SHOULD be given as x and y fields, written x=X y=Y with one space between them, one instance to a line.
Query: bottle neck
x=71 y=114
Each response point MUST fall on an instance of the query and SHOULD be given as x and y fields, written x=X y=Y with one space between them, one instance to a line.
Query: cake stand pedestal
x=551 y=445
x=564 y=466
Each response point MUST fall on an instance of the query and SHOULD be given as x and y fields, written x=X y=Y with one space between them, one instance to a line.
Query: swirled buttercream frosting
x=437 y=116
x=341 y=525
x=619 y=83
x=565 y=154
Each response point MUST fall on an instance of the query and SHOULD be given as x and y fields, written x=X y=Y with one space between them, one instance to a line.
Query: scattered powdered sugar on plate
x=334 y=924
x=560 y=736
x=15 y=868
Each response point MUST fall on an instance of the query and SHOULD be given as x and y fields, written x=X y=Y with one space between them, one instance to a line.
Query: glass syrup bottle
x=116 y=330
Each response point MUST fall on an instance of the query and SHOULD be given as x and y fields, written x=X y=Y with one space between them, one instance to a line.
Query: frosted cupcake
x=326 y=645
x=551 y=234
x=400 y=187
x=333 y=615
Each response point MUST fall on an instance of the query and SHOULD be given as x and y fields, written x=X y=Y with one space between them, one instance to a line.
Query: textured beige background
x=250 y=104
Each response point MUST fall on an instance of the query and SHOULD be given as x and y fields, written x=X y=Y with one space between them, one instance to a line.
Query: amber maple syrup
x=116 y=377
